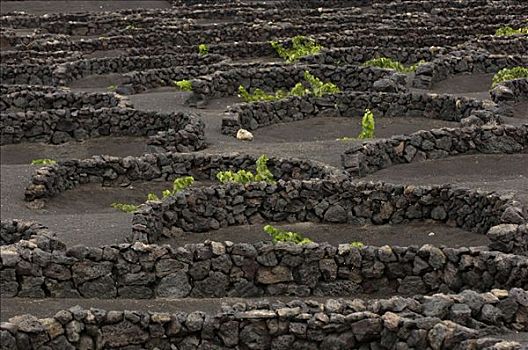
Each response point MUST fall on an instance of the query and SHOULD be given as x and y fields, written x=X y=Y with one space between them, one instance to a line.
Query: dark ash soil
x=476 y=85
x=505 y=173
x=376 y=235
x=24 y=153
x=40 y=7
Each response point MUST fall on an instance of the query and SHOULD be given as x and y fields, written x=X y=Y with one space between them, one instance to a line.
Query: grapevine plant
x=203 y=49
x=280 y=235
x=367 y=125
x=301 y=46
x=509 y=31
x=510 y=74
x=177 y=185
x=389 y=63
x=43 y=161
x=245 y=176
x=317 y=88
x=184 y=85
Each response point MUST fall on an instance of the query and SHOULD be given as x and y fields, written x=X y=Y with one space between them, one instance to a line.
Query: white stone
x=244 y=135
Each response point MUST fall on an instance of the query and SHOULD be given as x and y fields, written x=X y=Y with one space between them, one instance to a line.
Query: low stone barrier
x=501 y=45
x=114 y=171
x=36 y=234
x=457 y=62
x=215 y=269
x=70 y=71
x=360 y=54
x=330 y=201
x=139 y=81
x=252 y=116
x=63 y=125
x=510 y=91
x=271 y=79
x=444 y=321
x=31 y=100
x=36 y=57
x=509 y=238
x=374 y=155
x=32 y=74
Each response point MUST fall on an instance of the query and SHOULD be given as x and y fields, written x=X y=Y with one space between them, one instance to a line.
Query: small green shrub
x=43 y=162
x=299 y=90
x=279 y=235
x=130 y=27
x=177 y=185
x=111 y=88
x=367 y=125
x=203 y=49
x=125 y=207
x=357 y=244
x=389 y=63
x=317 y=88
x=510 y=74
x=184 y=85
x=301 y=47
x=243 y=176
x=259 y=95
x=508 y=31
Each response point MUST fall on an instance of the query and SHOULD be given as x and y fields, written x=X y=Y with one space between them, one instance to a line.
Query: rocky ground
x=84 y=216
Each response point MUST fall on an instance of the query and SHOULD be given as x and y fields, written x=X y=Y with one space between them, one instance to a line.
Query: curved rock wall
x=63 y=125
x=331 y=201
x=252 y=116
x=30 y=100
x=271 y=79
x=510 y=91
x=457 y=62
x=374 y=155
x=250 y=270
x=113 y=171
x=441 y=322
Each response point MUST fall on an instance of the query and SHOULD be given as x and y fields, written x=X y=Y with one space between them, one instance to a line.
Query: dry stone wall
x=215 y=269
x=457 y=62
x=271 y=79
x=30 y=100
x=331 y=201
x=252 y=116
x=374 y=155
x=62 y=125
x=114 y=171
x=439 y=322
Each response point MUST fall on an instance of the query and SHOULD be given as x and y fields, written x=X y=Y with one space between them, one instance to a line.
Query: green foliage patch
x=510 y=74
x=509 y=31
x=184 y=85
x=125 y=207
x=301 y=46
x=245 y=176
x=44 y=161
x=357 y=244
x=203 y=49
x=178 y=184
x=280 y=235
x=317 y=88
x=367 y=125
x=389 y=63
